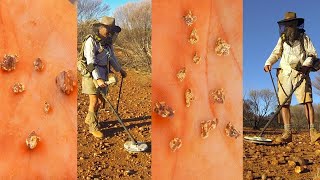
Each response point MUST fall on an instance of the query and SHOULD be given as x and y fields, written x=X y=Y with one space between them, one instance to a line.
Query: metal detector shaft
x=275 y=91
x=285 y=101
x=119 y=93
x=118 y=117
x=274 y=87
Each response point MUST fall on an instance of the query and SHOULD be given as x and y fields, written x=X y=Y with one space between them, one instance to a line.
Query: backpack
x=298 y=65
x=82 y=66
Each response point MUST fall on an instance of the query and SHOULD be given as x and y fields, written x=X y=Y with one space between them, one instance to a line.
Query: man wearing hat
x=297 y=53
x=99 y=54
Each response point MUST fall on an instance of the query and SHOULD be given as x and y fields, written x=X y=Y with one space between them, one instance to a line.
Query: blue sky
x=261 y=35
x=116 y=3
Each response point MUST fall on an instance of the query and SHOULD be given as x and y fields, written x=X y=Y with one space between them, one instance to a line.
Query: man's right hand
x=267 y=68
x=101 y=83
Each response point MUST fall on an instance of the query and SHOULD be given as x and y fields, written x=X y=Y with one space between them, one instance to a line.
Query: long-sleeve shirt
x=292 y=54
x=98 y=56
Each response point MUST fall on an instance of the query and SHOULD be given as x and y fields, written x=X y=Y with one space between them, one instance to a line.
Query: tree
x=134 y=41
x=259 y=106
x=91 y=9
x=298 y=117
x=248 y=115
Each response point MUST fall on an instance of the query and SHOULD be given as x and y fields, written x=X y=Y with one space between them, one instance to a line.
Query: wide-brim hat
x=290 y=17
x=110 y=23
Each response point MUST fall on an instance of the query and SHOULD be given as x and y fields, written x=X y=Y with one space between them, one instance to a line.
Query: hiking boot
x=314 y=135
x=91 y=117
x=97 y=133
x=285 y=138
x=91 y=120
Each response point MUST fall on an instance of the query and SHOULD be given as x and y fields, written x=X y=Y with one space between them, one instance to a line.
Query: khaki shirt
x=99 y=56
x=291 y=55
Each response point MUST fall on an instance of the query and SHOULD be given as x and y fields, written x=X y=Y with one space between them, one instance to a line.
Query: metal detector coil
x=135 y=147
x=258 y=140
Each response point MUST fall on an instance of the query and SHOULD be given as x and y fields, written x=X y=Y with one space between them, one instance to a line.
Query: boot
x=314 y=135
x=91 y=116
x=91 y=120
x=285 y=138
x=96 y=133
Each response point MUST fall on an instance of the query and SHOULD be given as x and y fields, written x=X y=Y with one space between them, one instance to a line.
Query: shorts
x=89 y=86
x=286 y=83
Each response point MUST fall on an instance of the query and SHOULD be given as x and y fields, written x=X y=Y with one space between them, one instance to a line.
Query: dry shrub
x=134 y=41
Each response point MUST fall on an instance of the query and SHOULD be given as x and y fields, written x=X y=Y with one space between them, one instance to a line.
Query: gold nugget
x=189 y=19
x=194 y=38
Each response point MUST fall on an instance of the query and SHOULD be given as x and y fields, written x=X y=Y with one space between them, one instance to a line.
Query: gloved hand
x=123 y=73
x=305 y=70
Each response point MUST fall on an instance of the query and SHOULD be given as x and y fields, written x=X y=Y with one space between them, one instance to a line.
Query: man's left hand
x=123 y=73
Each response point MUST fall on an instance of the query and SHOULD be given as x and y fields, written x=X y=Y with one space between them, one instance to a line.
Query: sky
x=114 y=4
x=261 y=35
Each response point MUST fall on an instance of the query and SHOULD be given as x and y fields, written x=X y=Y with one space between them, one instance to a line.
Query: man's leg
x=284 y=88
x=93 y=99
x=309 y=114
x=314 y=135
x=286 y=116
x=100 y=103
x=91 y=118
x=304 y=96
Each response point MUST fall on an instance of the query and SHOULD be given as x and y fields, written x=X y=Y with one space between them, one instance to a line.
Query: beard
x=106 y=41
x=291 y=35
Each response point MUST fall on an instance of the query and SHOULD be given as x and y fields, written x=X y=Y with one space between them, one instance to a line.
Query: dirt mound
x=106 y=158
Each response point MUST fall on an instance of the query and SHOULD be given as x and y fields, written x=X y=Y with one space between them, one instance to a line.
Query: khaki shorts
x=286 y=83
x=89 y=86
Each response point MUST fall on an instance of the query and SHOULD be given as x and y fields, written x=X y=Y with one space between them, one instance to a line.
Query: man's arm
x=310 y=51
x=89 y=54
x=276 y=53
x=115 y=63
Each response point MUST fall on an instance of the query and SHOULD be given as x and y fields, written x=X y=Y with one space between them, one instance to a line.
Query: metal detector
x=119 y=94
x=261 y=140
x=133 y=145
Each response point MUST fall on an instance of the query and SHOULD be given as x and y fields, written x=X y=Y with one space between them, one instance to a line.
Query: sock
x=312 y=126
x=287 y=127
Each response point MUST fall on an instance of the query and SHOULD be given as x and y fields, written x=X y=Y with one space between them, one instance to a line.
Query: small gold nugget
x=206 y=126
x=231 y=131
x=66 y=81
x=217 y=95
x=32 y=140
x=222 y=48
x=175 y=144
x=163 y=109
x=18 y=88
x=189 y=18
x=194 y=38
x=9 y=62
x=47 y=107
x=196 y=58
x=181 y=74
x=38 y=64
x=189 y=97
